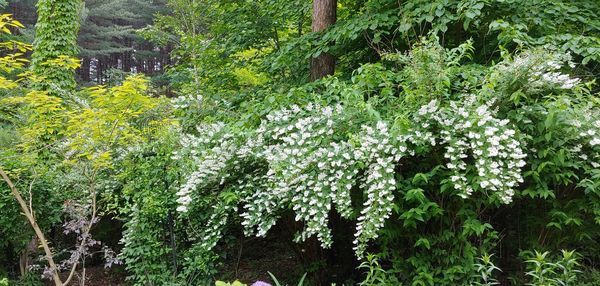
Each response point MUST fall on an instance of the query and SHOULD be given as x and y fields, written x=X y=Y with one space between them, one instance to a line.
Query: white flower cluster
x=210 y=161
x=542 y=68
x=306 y=168
x=380 y=152
x=311 y=170
x=260 y=204
x=183 y=102
x=470 y=131
x=303 y=158
x=590 y=134
x=210 y=235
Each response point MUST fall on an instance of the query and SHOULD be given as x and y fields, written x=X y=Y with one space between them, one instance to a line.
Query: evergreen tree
x=108 y=37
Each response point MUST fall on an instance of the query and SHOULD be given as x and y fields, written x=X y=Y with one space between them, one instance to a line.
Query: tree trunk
x=311 y=254
x=25 y=258
x=324 y=15
x=84 y=69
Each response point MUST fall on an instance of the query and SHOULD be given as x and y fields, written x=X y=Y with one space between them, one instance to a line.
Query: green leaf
x=424 y=242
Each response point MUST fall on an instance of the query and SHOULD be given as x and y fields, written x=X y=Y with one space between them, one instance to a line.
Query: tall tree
x=324 y=15
x=55 y=36
x=108 y=38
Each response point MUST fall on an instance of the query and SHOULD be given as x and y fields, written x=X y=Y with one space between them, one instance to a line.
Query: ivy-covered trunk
x=55 y=38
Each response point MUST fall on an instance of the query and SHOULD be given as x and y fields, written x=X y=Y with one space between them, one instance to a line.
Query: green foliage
x=65 y=145
x=485 y=271
x=546 y=272
x=145 y=201
x=436 y=201
x=56 y=36
x=482 y=137
x=590 y=277
x=375 y=275
x=277 y=283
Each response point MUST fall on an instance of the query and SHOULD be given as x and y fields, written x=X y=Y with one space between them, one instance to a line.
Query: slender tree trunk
x=25 y=258
x=84 y=70
x=324 y=15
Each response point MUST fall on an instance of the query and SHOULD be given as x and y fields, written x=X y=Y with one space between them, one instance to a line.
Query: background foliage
x=456 y=143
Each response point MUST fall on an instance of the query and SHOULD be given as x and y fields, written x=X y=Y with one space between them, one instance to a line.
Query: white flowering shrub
x=313 y=168
x=589 y=132
x=307 y=168
x=540 y=69
x=470 y=131
x=437 y=151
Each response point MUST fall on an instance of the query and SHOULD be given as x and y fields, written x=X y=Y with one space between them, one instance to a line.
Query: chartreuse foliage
x=64 y=145
x=16 y=233
x=13 y=53
x=91 y=127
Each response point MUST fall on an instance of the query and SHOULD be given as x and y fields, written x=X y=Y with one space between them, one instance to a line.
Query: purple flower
x=260 y=283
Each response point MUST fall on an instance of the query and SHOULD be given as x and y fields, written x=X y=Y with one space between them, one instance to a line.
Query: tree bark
x=324 y=15
x=84 y=69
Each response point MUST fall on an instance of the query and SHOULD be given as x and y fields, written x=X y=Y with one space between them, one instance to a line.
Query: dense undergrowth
x=458 y=143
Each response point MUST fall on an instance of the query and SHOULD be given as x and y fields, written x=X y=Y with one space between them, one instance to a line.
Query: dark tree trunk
x=84 y=70
x=128 y=56
x=100 y=70
x=324 y=15
x=127 y=61
x=114 y=61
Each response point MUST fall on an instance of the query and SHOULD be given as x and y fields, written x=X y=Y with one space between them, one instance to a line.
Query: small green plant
x=485 y=271
x=375 y=275
x=545 y=272
x=277 y=283
x=4 y=282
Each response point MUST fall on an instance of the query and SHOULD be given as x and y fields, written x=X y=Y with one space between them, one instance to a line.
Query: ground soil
x=249 y=260
x=96 y=276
